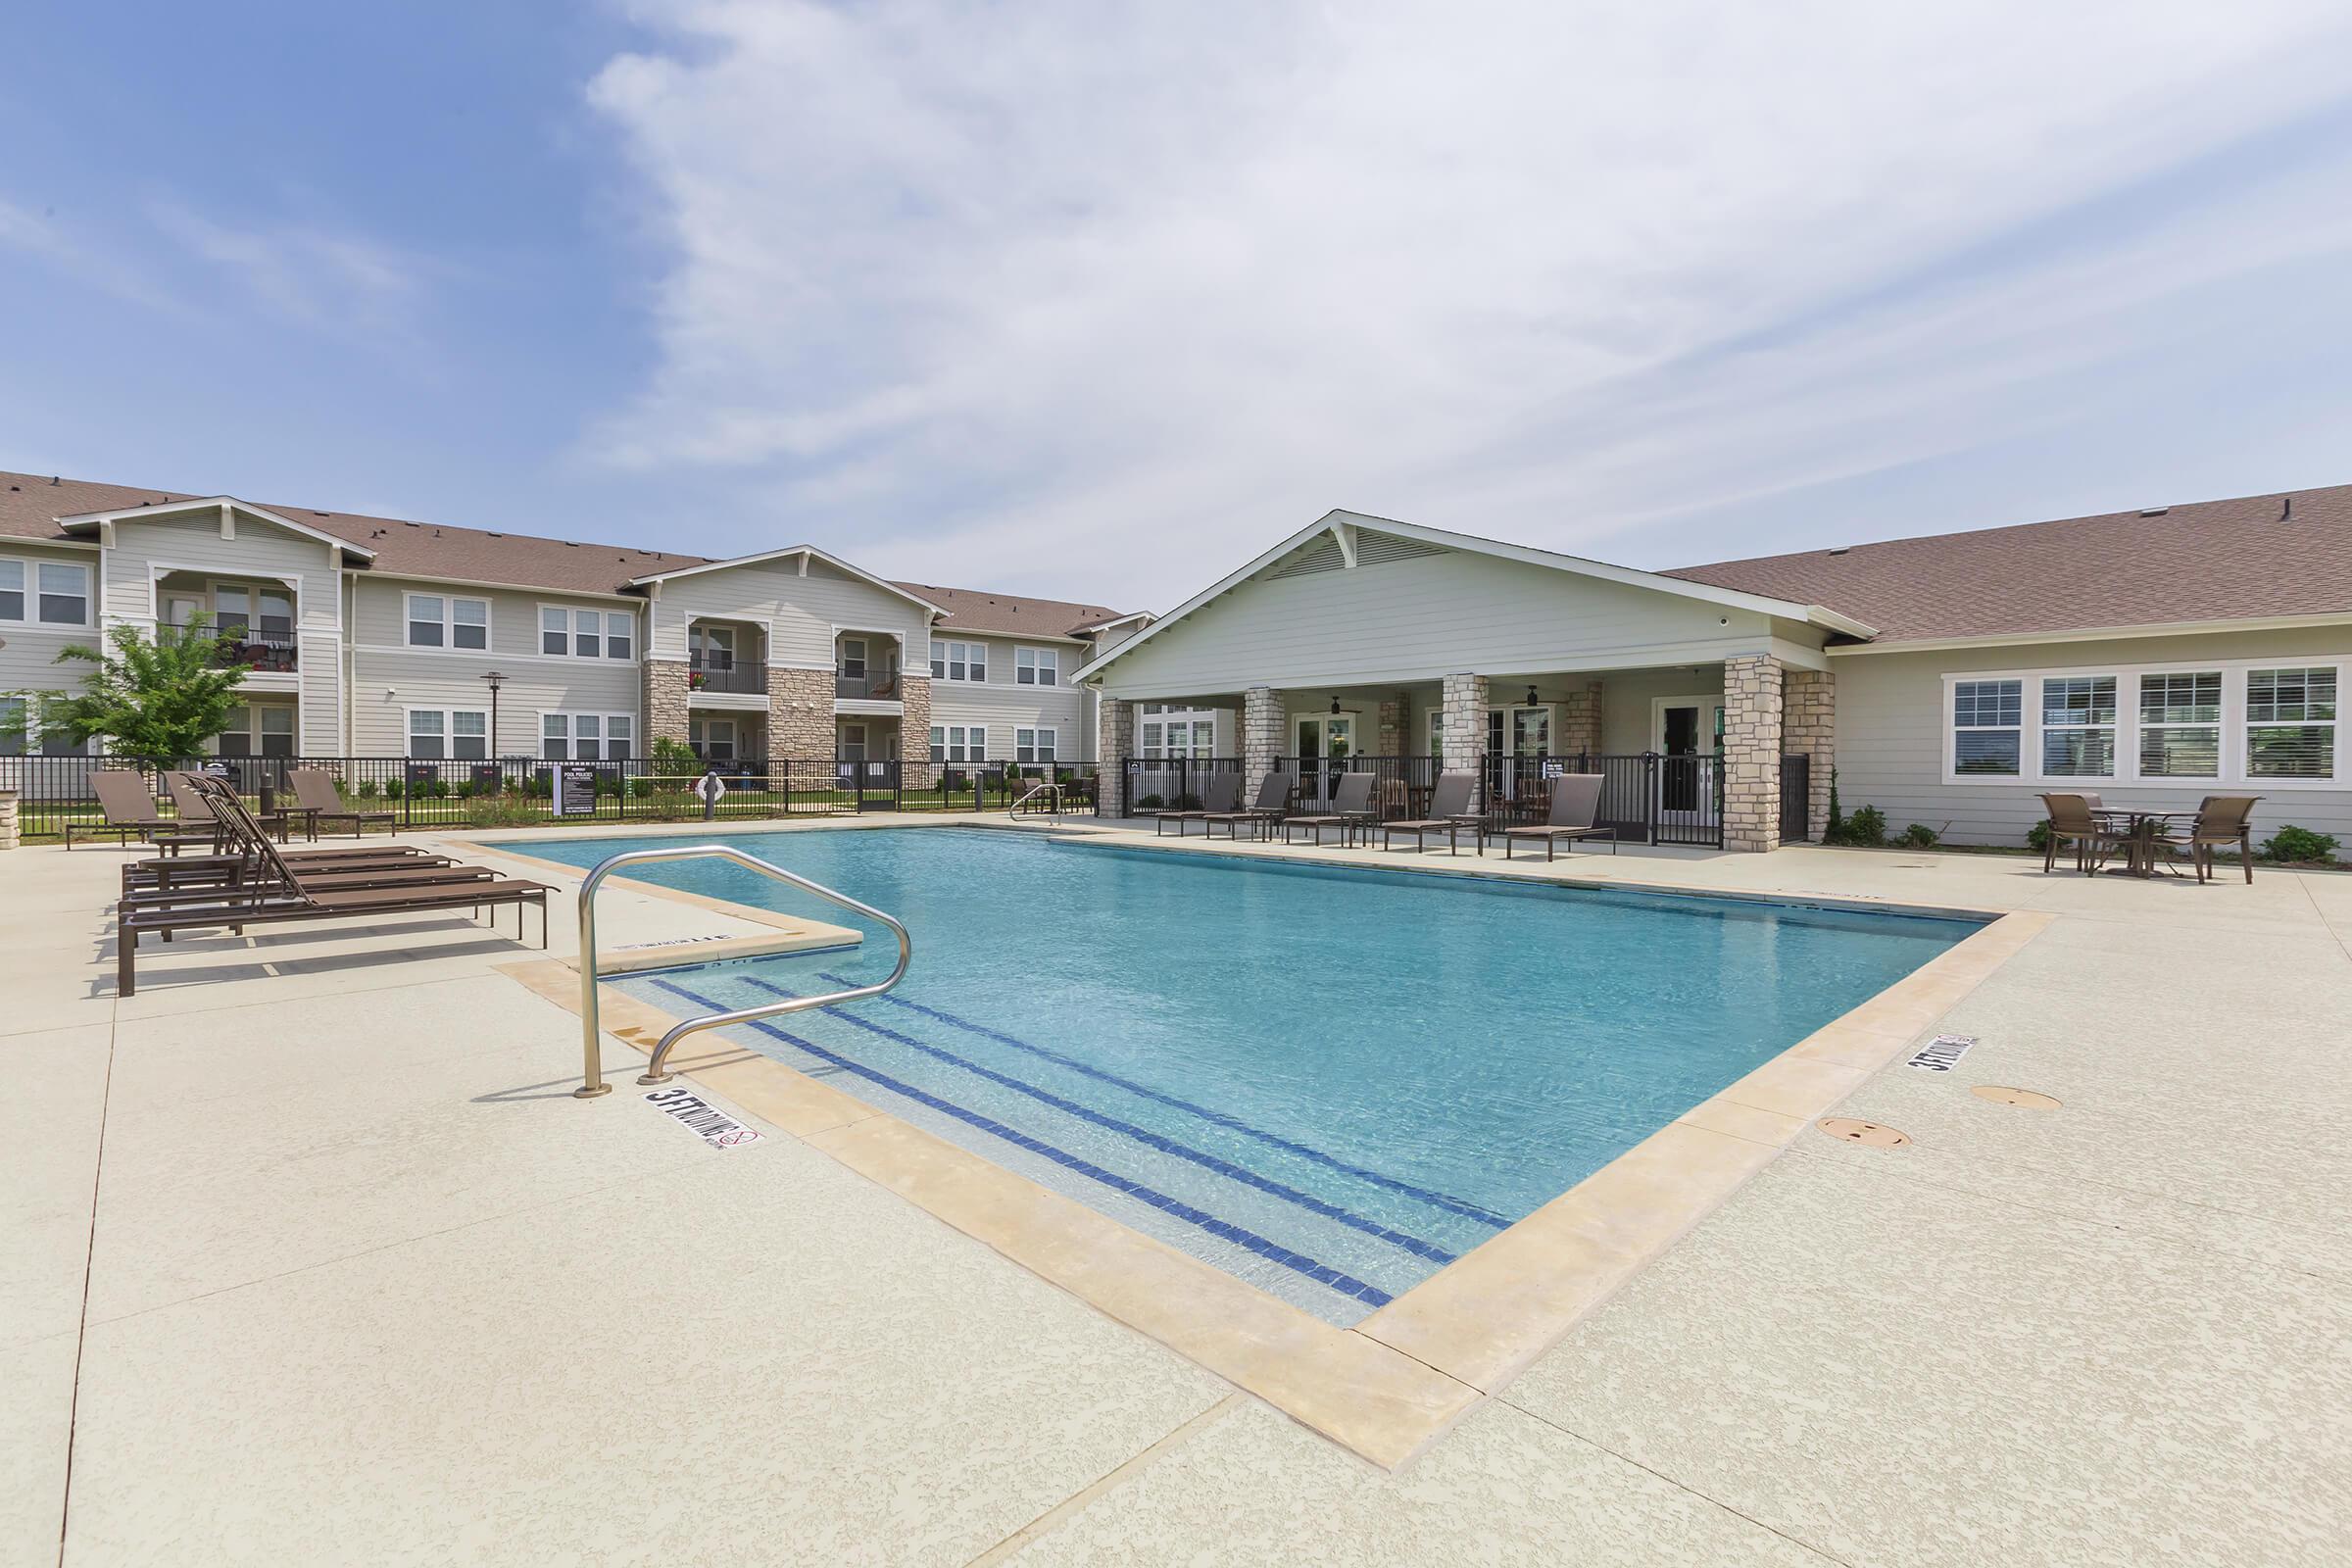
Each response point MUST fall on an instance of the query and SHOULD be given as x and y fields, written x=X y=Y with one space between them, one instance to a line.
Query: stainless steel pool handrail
x=593 y=1071
x=1048 y=788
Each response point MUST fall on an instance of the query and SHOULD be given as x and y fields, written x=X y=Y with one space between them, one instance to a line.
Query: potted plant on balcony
x=696 y=680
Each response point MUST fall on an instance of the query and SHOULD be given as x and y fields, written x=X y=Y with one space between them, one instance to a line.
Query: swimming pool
x=1326 y=1081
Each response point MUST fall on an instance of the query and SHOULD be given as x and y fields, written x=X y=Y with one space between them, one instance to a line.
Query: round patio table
x=2141 y=832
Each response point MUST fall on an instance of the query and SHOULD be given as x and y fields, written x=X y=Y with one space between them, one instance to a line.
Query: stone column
x=800 y=715
x=1263 y=715
x=1580 y=720
x=914 y=731
x=11 y=834
x=1114 y=742
x=1812 y=729
x=665 y=688
x=1392 y=738
x=1463 y=729
x=1752 y=705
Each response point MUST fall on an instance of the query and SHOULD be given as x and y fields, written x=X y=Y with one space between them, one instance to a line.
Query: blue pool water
x=1328 y=1082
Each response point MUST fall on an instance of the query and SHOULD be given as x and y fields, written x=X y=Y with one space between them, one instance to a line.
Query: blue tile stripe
x=1435 y=1199
x=1241 y=1174
x=1176 y=1208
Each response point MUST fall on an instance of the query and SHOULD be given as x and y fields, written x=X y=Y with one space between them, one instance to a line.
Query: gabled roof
x=977 y=610
x=2273 y=557
x=1344 y=526
x=805 y=554
x=92 y=520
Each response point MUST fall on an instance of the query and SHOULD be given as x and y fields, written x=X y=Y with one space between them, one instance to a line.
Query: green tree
x=156 y=700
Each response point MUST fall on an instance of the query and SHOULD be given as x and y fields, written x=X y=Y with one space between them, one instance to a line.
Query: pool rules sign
x=576 y=790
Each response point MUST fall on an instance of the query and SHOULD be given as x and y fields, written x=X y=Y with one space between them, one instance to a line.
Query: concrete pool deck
x=305 y=1254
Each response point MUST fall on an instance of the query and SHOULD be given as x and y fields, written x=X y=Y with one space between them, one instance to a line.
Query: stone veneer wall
x=1114 y=742
x=1580 y=720
x=1463 y=729
x=800 y=714
x=914 y=733
x=1263 y=715
x=665 y=689
x=1811 y=728
x=1391 y=738
x=1753 y=699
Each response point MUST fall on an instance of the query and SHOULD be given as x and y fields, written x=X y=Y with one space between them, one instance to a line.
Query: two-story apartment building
x=382 y=637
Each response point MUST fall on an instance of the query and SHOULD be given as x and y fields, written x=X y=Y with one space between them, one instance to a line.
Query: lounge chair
x=2220 y=819
x=260 y=872
x=189 y=803
x=287 y=897
x=129 y=806
x=1449 y=813
x=2071 y=820
x=1575 y=802
x=1351 y=812
x=1273 y=804
x=317 y=797
x=1221 y=794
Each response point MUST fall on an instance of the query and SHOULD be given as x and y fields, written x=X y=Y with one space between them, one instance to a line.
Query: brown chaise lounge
x=1575 y=802
x=128 y=806
x=1220 y=795
x=317 y=797
x=188 y=801
x=289 y=897
x=1273 y=803
x=257 y=873
x=1350 y=809
x=1449 y=813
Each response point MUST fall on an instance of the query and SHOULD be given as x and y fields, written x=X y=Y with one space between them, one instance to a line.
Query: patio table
x=2141 y=832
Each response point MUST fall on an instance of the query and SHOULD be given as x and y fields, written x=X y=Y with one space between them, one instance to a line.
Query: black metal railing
x=1401 y=789
x=881 y=685
x=1168 y=783
x=1797 y=798
x=715 y=672
x=520 y=792
x=267 y=650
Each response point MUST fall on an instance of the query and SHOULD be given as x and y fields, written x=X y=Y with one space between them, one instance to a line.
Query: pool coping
x=1391 y=1385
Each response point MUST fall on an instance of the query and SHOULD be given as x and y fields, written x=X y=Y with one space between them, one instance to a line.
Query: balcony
x=266 y=652
x=881 y=686
x=722 y=674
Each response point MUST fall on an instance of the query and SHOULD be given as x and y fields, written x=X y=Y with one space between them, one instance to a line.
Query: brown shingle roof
x=2254 y=557
x=978 y=610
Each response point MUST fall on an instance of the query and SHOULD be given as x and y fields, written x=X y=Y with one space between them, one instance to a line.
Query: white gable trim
x=804 y=553
x=103 y=521
x=1342 y=525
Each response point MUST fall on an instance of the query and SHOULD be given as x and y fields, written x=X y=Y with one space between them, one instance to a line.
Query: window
x=712 y=739
x=277 y=613
x=460 y=733
x=265 y=730
x=12 y=590
x=1033 y=745
x=554 y=631
x=621 y=634
x=853 y=657
x=15 y=719
x=428 y=730
x=470 y=735
x=2290 y=723
x=958 y=661
x=435 y=622
x=1988 y=726
x=1034 y=667
x=2077 y=726
x=2180 y=724
x=710 y=647
x=64 y=594
x=554 y=737
x=587 y=633
x=585 y=737
x=959 y=742
x=233 y=610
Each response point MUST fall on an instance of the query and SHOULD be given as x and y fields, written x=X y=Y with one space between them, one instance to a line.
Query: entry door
x=180 y=610
x=852 y=743
x=1325 y=741
x=1685 y=726
x=1513 y=733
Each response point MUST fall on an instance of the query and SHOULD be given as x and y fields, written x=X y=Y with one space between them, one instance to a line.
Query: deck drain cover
x=2002 y=1095
x=1862 y=1132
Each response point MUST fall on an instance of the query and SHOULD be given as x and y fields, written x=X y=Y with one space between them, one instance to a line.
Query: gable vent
x=1321 y=556
x=1374 y=549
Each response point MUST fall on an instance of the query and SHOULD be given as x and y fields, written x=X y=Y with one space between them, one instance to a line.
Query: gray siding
x=1003 y=704
x=1891 y=716
x=28 y=650
x=801 y=613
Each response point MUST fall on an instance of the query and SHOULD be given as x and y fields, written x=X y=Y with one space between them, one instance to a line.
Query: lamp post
x=494 y=680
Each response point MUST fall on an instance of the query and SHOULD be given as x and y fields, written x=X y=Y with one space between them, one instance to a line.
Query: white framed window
x=2290 y=722
x=853 y=657
x=258 y=730
x=621 y=634
x=15 y=725
x=555 y=630
x=2220 y=723
x=437 y=621
x=554 y=737
x=587 y=633
x=712 y=739
x=710 y=647
x=2180 y=724
x=959 y=661
x=1034 y=745
x=1036 y=667
x=45 y=593
x=469 y=735
x=461 y=734
x=1987 y=728
x=959 y=742
x=585 y=737
x=620 y=735
x=428 y=732
x=1177 y=733
x=2077 y=726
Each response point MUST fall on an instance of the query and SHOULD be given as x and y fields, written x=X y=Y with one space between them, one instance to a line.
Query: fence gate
x=1689 y=800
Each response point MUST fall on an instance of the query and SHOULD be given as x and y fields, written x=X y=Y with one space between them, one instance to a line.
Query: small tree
x=156 y=700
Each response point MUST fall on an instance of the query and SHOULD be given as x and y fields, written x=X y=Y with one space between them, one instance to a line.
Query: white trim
x=604 y=717
x=449 y=733
x=485 y=655
x=571 y=634
x=93 y=580
x=2127 y=774
x=385 y=575
x=1680 y=587
x=806 y=552
x=1702 y=700
x=98 y=519
x=1036 y=656
x=448 y=625
x=2173 y=628
x=1077 y=632
x=940 y=657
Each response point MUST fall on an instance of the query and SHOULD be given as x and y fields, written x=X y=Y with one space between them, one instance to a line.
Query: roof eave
x=73 y=522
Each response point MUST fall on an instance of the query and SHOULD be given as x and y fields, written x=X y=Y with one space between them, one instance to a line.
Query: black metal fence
x=1168 y=783
x=1797 y=798
x=520 y=792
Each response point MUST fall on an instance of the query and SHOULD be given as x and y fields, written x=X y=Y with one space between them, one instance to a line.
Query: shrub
x=1834 y=830
x=438 y=789
x=607 y=784
x=1186 y=803
x=2038 y=837
x=641 y=786
x=2292 y=845
x=1149 y=803
x=366 y=790
x=497 y=811
x=1919 y=836
x=1866 y=827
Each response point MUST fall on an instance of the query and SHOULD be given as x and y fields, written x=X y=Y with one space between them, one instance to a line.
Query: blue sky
x=1098 y=301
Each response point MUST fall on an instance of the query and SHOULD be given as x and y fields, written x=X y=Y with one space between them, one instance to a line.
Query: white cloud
x=1105 y=298
x=335 y=282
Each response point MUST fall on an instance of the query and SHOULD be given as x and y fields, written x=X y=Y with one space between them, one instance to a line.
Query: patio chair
x=188 y=801
x=2071 y=820
x=1350 y=810
x=2220 y=819
x=287 y=897
x=1575 y=803
x=128 y=806
x=315 y=796
x=258 y=870
x=1221 y=794
x=1448 y=812
x=1272 y=804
